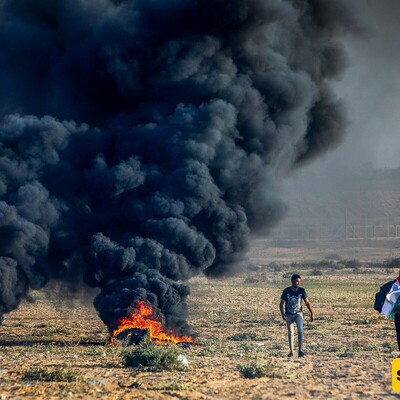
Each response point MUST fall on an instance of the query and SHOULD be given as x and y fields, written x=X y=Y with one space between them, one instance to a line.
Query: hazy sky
x=371 y=90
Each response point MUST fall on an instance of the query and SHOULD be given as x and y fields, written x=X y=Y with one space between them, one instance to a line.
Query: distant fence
x=366 y=231
x=320 y=230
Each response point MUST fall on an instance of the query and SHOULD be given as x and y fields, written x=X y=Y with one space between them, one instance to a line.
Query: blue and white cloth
x=392 y=299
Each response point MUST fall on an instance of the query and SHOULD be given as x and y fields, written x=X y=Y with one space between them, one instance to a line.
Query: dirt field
x=349 y=346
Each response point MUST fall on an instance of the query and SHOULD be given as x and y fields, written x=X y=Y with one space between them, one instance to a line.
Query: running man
x=291 y=311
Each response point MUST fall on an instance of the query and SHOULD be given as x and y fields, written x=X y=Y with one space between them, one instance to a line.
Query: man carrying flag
x=391 y=307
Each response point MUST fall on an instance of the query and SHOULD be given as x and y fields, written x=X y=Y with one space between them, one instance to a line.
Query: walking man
x=291 y=311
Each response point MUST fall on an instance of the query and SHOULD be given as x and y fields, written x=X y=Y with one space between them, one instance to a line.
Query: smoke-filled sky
x=371 y=90
x=143 y=142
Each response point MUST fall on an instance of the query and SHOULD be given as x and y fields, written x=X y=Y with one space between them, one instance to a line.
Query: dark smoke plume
x=142 y=141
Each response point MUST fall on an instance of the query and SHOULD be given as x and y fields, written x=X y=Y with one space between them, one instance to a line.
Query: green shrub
x=153 y=357
x=252 y=371
x=46 y=375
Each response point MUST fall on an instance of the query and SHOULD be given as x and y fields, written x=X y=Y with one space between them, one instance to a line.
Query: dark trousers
x=397 y=325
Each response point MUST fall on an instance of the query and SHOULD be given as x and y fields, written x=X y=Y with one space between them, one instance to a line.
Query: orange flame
x=143 y=317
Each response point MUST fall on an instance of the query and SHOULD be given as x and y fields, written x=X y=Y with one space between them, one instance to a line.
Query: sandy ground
x=349 y=347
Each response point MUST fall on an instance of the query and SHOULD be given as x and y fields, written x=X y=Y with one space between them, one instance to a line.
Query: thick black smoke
x=142 y=141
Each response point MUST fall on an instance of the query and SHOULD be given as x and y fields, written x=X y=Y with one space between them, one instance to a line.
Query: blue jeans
x=290 y=321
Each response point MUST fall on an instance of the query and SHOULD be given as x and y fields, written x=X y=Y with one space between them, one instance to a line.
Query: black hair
x=294 y=277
